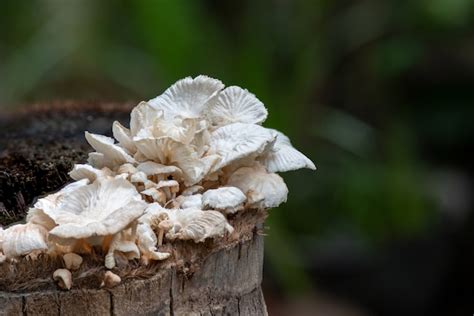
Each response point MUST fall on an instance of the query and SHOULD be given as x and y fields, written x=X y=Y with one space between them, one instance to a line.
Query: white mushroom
x=237 y=141
x=127 y=168
x=123 y=242
x=227 y=199
x=138 y=177
x=151 y=168
x=263 y=190
x=284 y=157
x=237 y=105
x=113 y=155
x=100 y=209
x=188 y=97
x=147 y=242
x=192 y=190
x=170 y=187
x=84 y=171
x=196 y=224
x=142 y=117
x=23 y=239
x=124 y=137
x=64 y=278
x=189 y=201
x=110 y=280
x=72 y=261
x=157 y=195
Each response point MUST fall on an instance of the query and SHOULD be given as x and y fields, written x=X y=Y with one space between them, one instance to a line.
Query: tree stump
x=38 y=147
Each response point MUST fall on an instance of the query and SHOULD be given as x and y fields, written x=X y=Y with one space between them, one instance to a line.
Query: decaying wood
x=214 y=278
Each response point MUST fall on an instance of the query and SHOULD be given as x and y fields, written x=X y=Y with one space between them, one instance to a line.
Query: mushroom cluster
x=191 y=157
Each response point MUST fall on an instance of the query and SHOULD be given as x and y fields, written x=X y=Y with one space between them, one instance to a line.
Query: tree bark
x=37 y=149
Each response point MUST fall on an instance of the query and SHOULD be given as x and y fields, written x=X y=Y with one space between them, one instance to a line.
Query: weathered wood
x=37 y=150
x=227 y=283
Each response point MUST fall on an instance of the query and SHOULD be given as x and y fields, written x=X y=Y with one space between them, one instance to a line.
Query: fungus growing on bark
x=190 y=157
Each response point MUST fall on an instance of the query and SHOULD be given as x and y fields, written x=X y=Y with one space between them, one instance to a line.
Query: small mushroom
x=170 y=187
x=263 y=189
x=227 y=199
x=161 y=224
x=64 y=278
x=72 y=261
x=110 y=280
x=127 y=168
x=284 y=157
x=157 y=195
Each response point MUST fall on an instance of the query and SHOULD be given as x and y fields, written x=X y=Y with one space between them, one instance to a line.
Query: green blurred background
x=379 y=94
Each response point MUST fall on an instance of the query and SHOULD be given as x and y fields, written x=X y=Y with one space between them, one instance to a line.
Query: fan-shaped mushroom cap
x=84 y=171
x=151 y=168
x=37 y=215
x=284 y=157
x=103 y=208
x=237 y=141
x=263 y=190
x=194 y=167
x=229 y=199
x=189 y=201
x=124 y=137
x=197 y=225
x=143 y=116
x=22 y=239
x=127 y=168
x=64 y=278
x=113 y=155
x=237 y=105
x=188 y=97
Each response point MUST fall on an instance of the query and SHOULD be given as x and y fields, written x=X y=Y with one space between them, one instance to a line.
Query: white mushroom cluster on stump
x=190 y=157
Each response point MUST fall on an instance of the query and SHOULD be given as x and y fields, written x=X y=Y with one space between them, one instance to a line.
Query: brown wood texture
x=37 y=149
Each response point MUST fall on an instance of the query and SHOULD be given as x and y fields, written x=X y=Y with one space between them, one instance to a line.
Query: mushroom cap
x=237 y=105
x=188 y=97
x=263 y=190
x=127 y=168
x=113 y=155
x=142 y=117
x=64 y=278
x=237 y=141
x=103 y=208
x=284 y=157
x=110 y=280
x=72 y=261
x=84 y=171
x=124 y=137
x=190 y=201
x=22 y=239
x=197 y=225
x=138 y=177
x=192 y=190
x=223 y=198
x=151 y=168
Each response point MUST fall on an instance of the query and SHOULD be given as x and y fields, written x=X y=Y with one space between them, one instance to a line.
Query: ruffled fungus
x=191 y=157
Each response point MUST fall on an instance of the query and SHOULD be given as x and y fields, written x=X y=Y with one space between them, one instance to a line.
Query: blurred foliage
x=370 y=90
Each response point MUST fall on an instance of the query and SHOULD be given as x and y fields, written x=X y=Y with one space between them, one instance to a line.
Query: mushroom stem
x=161 y=233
